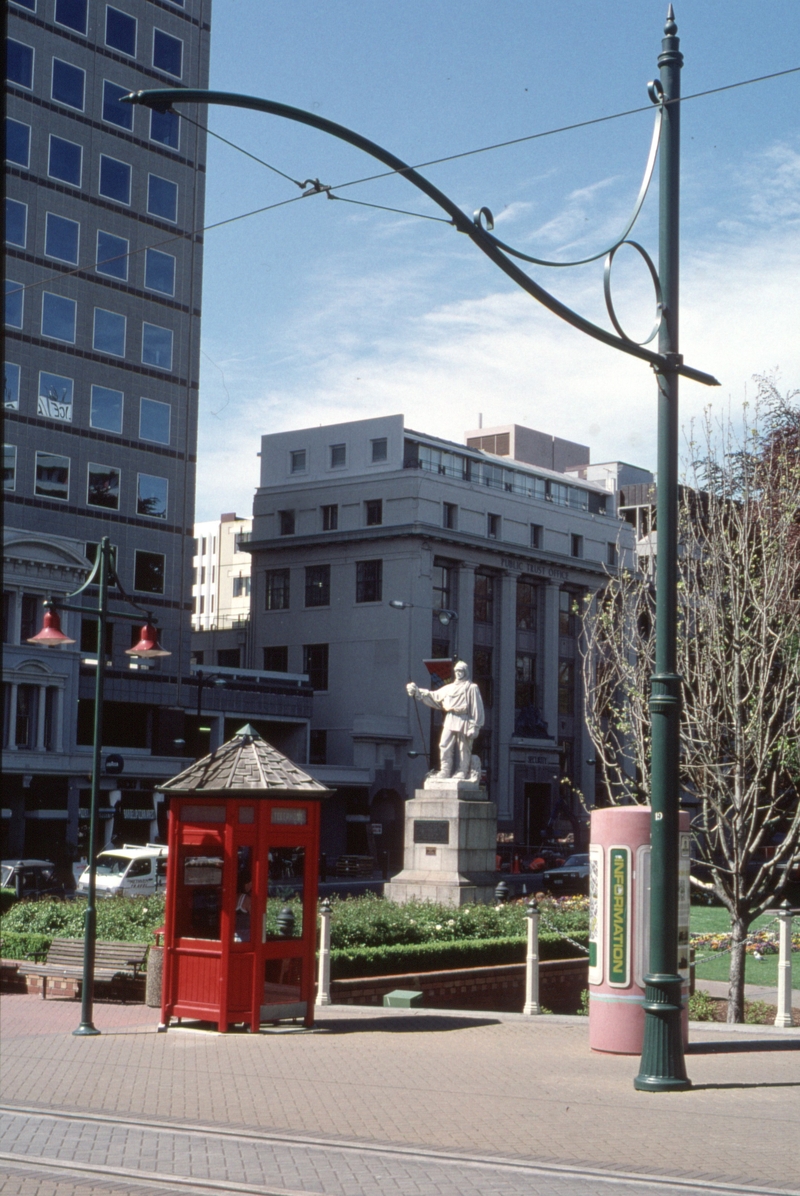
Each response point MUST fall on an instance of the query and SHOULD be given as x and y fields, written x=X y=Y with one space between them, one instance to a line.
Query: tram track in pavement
x=182 y=1157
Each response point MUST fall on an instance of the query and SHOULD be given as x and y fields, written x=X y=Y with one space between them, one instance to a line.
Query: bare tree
x=739 y=656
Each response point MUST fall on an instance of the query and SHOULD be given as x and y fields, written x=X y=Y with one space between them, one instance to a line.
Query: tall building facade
x=221 y=592
x=375 y=548
x=104 y=217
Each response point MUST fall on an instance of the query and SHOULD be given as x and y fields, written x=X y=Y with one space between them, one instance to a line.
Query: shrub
x=119 y=919
x=24 y=946
x=702 y=1007
x=7 y=899
x=758 y=1013
x=397 y=958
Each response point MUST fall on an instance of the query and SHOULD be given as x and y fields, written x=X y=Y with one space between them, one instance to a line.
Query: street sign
x=114 y=764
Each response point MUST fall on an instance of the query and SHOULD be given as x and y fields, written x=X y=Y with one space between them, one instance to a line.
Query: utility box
x=402 y=998
x=619 y=925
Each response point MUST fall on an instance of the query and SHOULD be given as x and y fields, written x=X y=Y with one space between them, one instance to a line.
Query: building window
x=62 y=238
x=369 y=581
x=105 y=412
x=338 y=456
x=65 y=161
x=484 y=678
x=154 y=421
x=157 y=346
x=229 y=658
x=318 y=585
x=103 y=487
x=297 y=461
x=55 y=397
x=276 y=594
x=566 y=613
x=241 y=587
x=151 y=496
x=165 y=128
x=162 y=198
x=159 y=272
x=52 y=476
x=18 y=142
x=13 y=313
x=109 y=332
x=525 y=681
x=16 y=223
x=148 y=572
x=167 y=53
x=115 y=113
x=566 y=687
x=58 y=317
x=373 y=511
x=443 y=575
x=318 y=747
x=450 y=516
x=484 y=598
x=9 y=467
x=112 y=256
x=276 y=659
x=536 y=535
x=380 y=449
x=11 y=378
x=611 y=555
x=27 y=709
x=527 y=595
x=286 y=523
x=330 y=518
x=115 y=179
x=19 y=63
x=88 y=640
x=72 y=14
x=68 y=84
x=120 y=31
x=576 y=545
x=29 y=617
x=493 y=527
x=315 y=664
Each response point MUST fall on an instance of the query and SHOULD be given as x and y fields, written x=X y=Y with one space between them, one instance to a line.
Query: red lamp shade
x=148 y=644
x=51 y=635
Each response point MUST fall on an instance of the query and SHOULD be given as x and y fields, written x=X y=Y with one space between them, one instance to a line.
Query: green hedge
x=398 y=958
x=24 y=945
x=119 y=919
x=7 y=899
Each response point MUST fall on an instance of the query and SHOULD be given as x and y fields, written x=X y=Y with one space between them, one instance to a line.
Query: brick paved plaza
x=380 y=1101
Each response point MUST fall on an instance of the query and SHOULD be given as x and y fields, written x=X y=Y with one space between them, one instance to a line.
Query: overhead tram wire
x=328 y=190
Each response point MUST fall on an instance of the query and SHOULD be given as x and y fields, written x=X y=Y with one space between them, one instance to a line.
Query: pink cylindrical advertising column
x=619 y=925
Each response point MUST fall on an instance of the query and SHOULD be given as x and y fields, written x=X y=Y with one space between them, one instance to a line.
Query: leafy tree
x=739 y=656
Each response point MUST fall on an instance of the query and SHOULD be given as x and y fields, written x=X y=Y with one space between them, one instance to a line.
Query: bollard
x=784 y=1015
x=324 y=981
x=502 y=892
x=532 y=961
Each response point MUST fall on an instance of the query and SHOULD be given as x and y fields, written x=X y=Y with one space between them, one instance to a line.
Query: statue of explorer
x=463 y=709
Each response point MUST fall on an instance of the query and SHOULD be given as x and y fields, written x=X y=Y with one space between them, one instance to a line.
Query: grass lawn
x=715 y=920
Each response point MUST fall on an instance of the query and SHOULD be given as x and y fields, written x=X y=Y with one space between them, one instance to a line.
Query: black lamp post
x=51 y=636
x=662 y=1066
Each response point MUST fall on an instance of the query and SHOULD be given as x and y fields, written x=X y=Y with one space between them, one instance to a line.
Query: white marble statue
x=463 y=709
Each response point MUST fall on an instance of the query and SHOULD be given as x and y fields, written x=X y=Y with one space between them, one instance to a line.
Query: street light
x=204 y=680
x=51 y=636
x=662 y=1066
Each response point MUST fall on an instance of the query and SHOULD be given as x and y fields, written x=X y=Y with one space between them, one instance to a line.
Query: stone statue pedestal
x=450 y=846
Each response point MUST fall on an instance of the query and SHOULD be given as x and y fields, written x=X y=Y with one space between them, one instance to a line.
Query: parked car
x=571 y=878
x=128 y=871
x=31 y=878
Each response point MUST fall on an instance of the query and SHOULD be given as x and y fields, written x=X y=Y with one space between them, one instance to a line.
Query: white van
x=128 y=871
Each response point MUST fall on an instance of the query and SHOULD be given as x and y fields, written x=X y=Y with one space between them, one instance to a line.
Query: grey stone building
x=375 y=548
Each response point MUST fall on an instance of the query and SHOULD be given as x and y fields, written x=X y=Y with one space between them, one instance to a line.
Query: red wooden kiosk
x=241 y=910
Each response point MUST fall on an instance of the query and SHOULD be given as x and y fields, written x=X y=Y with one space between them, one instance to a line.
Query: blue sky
x=322 y=311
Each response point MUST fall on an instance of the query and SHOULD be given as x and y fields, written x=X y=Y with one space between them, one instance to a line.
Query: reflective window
x=162 y=197
x=65 y=161
x=338 y=456
x=286 y=876
x=151 y=496
x=19 y=63
x=318 y=585
x=115 y=179
x=68 y=84
x=199 y=903
x=55 y=397
x=112 y=255
x=103 y=487
x=11 y=377
x=13 y=314
x=276 y=595
x=330 y=517
x=120 y=31
x=113 y=111
x=380 y=450
x=165 y=127
x=18 y=142
x=52 y=476
x=105 y=412
x=369 y=581
x=159 y=272
x=62 y=238
x=58 y=317
x=297 y=461
x=109 y=332
x=9 y=467
x=31 y=6
x=71 y=13
x=157 y=346
x=154 y=421
x=16 y=223
x=244 y=889
x=148 y=572
x=167 y=53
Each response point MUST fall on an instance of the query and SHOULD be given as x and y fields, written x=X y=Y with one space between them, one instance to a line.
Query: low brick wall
x=14 y=979
x=499 y=989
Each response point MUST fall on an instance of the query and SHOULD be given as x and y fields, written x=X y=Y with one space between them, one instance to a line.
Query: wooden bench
x=112 y=961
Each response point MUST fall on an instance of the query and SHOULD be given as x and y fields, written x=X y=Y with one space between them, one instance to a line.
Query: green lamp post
x=662 y=1065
